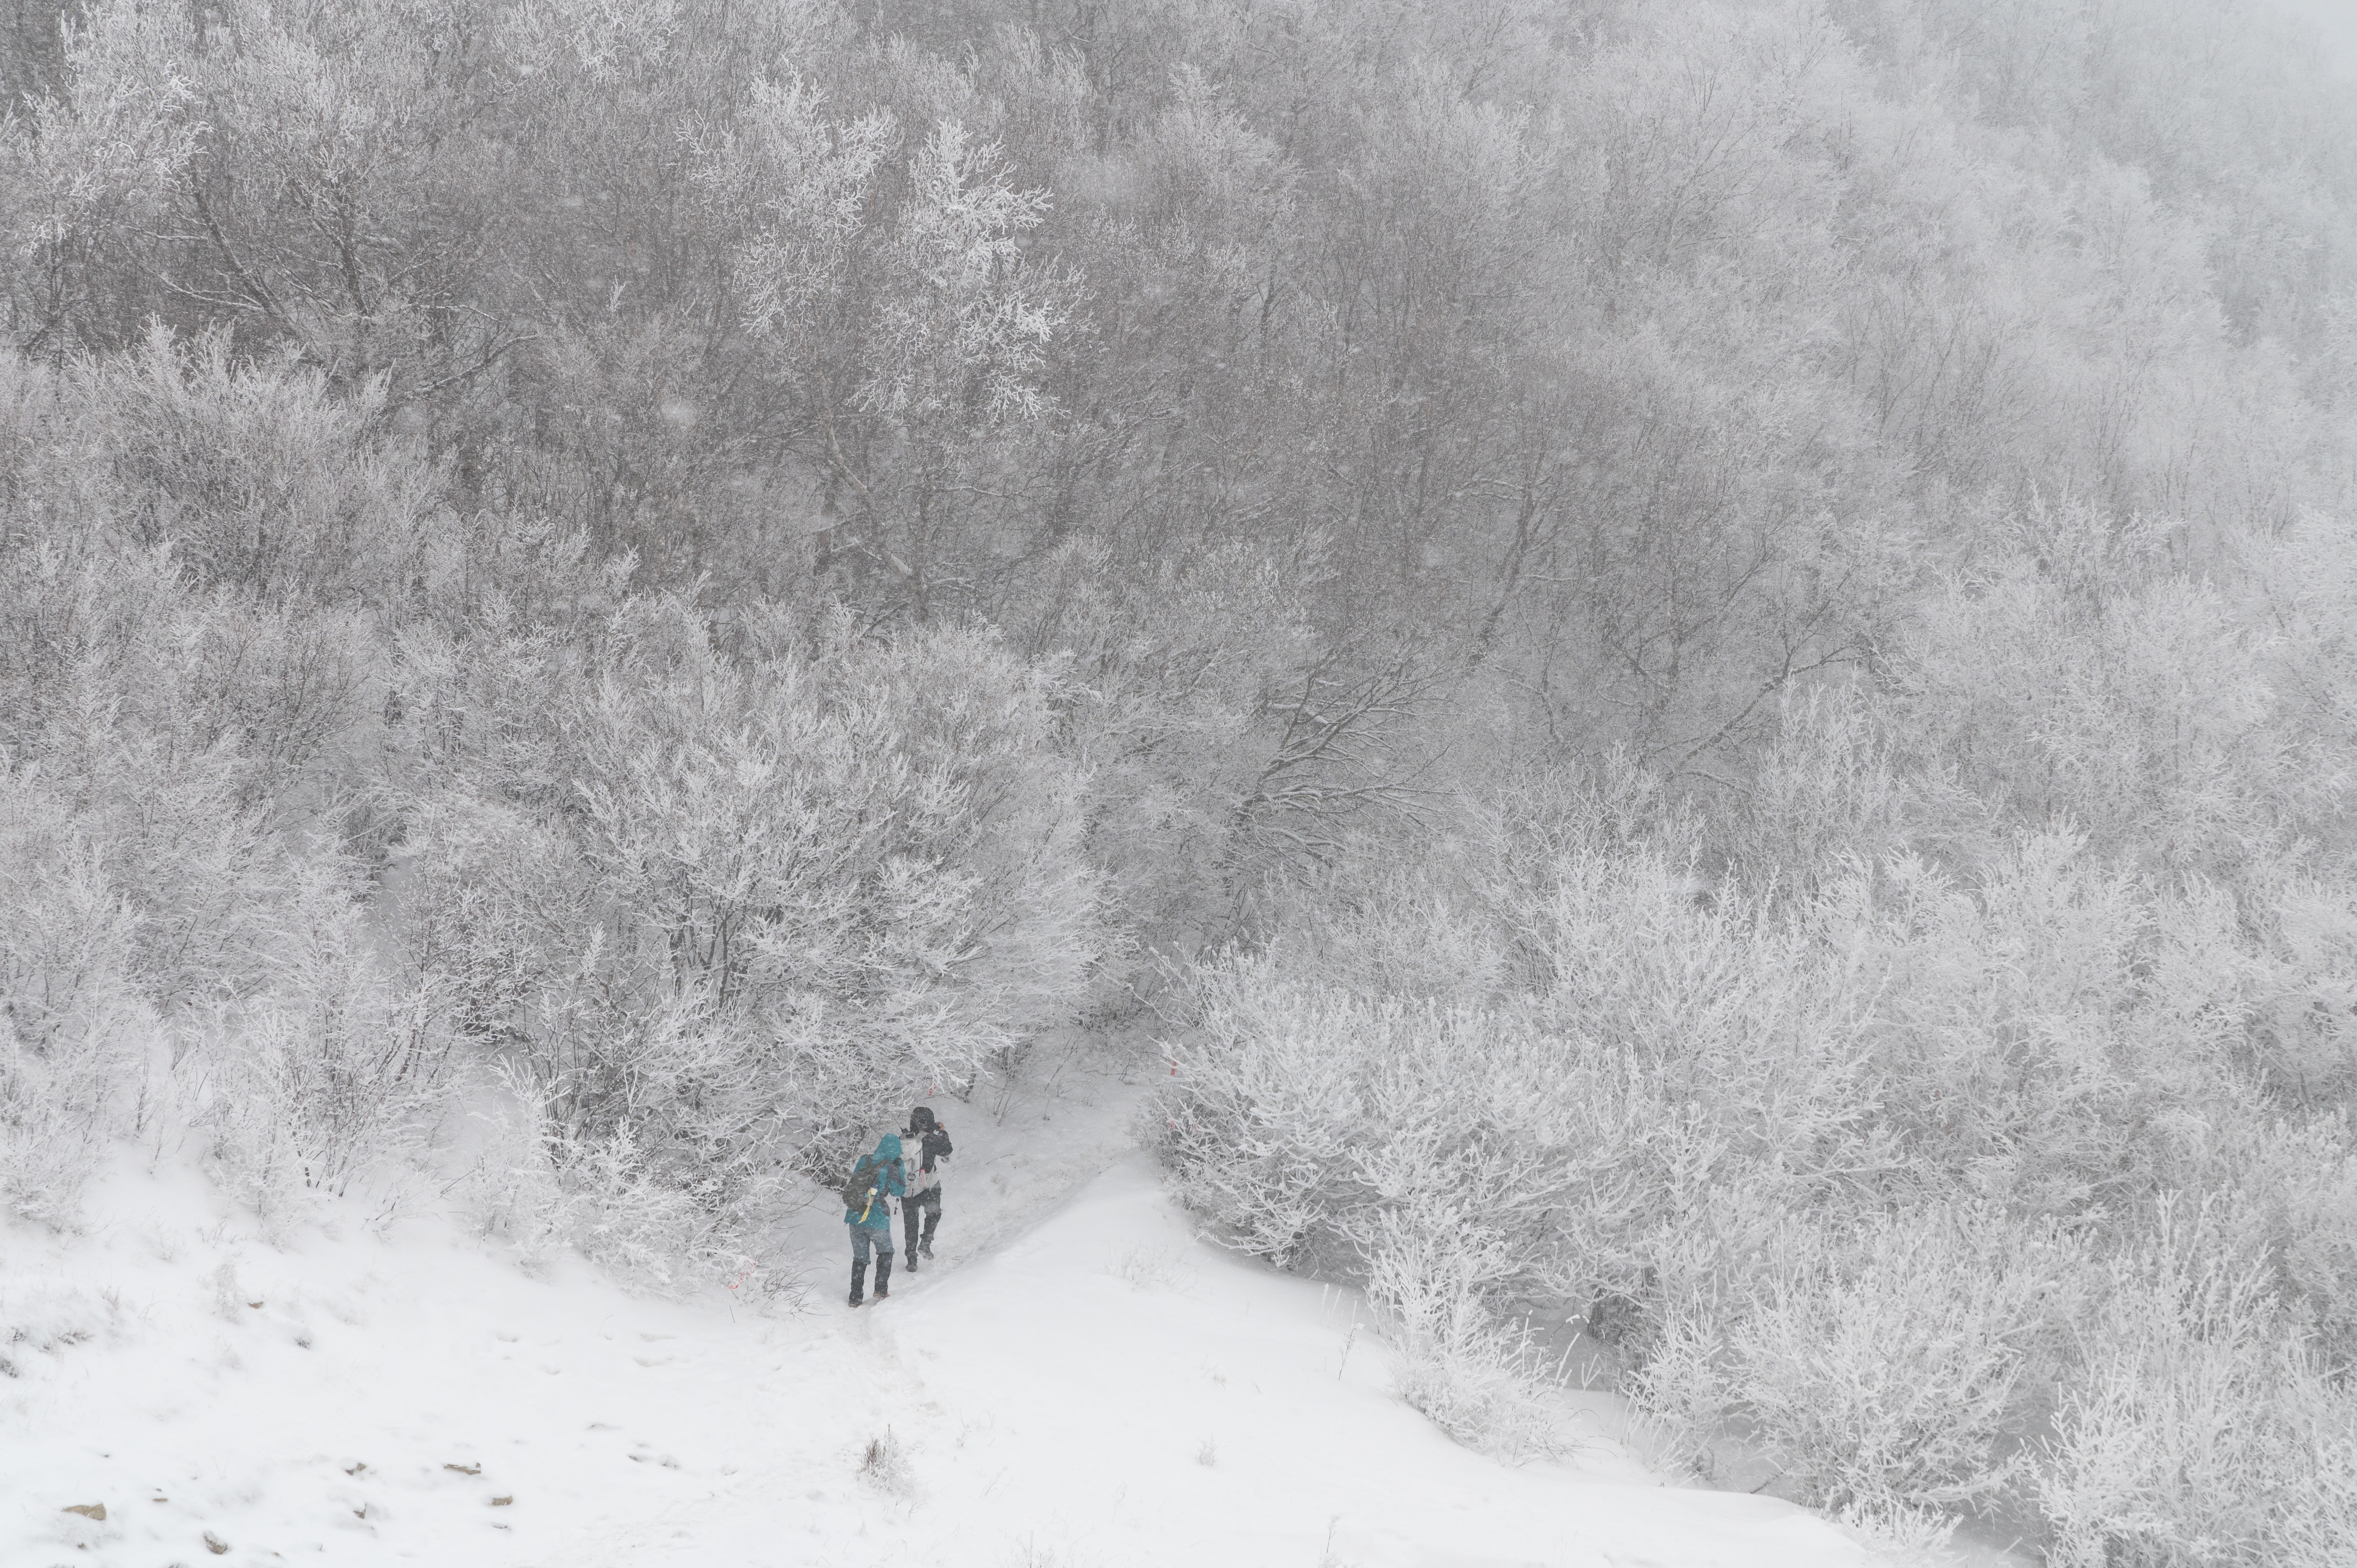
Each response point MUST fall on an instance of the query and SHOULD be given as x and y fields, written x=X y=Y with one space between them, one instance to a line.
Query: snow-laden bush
x=120 y=669
x=1841 y=1169
x=305 y=1094
x=2199 y=1430
x=1364 y=1140
x=142 y=897
x=2300 y=986
x=2294 y=1183
x=1621 y=1033
x=1892 y=1367
x=857 y=854
x=149 y=877
x=1233 y=740
x=1462 y=1361
x=2042 y=1035
x=754 y=901
x=152 y=888
x=620 y=1212
x=334 y=1073
x=494 y=905
x=509 y=1187
x=2078 y=674
x=1826 y=793
x=650 y=1222
x=718 y=915
x=1460 y=1155
x=70 y=1011
x=257 y=473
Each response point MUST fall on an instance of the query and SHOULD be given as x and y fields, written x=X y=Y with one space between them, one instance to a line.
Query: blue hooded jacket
x=890 y=1181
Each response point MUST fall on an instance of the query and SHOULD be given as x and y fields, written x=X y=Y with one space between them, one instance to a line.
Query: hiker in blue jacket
x=883 y=1178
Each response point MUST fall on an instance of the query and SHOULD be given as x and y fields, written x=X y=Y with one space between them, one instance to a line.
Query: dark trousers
x=921 y=1211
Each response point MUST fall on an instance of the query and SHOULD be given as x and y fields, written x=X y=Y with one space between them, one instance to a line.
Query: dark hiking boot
x=859 y=1282
x=925 y=1249
x=883 y=1275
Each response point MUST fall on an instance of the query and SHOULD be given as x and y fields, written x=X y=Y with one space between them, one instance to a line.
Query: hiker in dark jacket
x=883 y=1178
x=924 y=1201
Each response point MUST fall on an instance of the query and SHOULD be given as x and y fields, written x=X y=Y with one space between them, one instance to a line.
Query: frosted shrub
x=2037 y=1037
x=1478 y=1377
x=1827 y=793
x=1842 y=1161
x=1902 y=1536
x=2076 y=677
x=1175 y=666
x=140 y=702
x=717 y=915
x=1556 y=1145
x=2303 y=988
x=1327 y=1133
x=1301 y=1113
x=764 y=898
x=884 y=1465
x=306 y=1093
x=622 y=1216
x=2200 y=1433
x=69 y=1014
x=1428 y=930
x=1892 y=1370
x=285 y=684
x=2298 y=1183
x=260 y=473
x=52 y=1128
x=310 y=1086
x=510 y=1188
x=1267 y=1086
x=1236 y=746
x=495 y=906
x=137 y=888
x=660 y=1224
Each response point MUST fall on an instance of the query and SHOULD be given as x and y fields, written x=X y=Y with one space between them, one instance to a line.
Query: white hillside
x=1081 y=1380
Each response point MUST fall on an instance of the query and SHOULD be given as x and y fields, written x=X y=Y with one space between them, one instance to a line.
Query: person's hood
x=887 y=1147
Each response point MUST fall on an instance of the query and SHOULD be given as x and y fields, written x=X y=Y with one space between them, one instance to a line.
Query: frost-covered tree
x=898 y=315
x=762 y=897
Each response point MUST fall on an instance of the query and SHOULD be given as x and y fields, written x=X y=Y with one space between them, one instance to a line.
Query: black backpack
x=866 y=1184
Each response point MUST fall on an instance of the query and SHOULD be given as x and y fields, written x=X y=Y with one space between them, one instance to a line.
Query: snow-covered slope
x=1108 y=1391
x=1096 y=1387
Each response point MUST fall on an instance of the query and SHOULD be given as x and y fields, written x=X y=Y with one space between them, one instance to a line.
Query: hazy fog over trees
x=1695 y=657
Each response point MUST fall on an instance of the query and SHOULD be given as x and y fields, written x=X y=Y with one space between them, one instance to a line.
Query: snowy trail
x=1097 y=1388
x=1075 y=1378
x=1053 y=1403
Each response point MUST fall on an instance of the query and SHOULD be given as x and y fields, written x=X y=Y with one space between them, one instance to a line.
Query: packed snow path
x=1102 y=1390
x=1108 y=1391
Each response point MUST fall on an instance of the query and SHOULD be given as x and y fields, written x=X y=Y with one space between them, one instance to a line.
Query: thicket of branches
x=1700 y=650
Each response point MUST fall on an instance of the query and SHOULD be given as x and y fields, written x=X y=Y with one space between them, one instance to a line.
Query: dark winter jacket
x=891 y=1182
